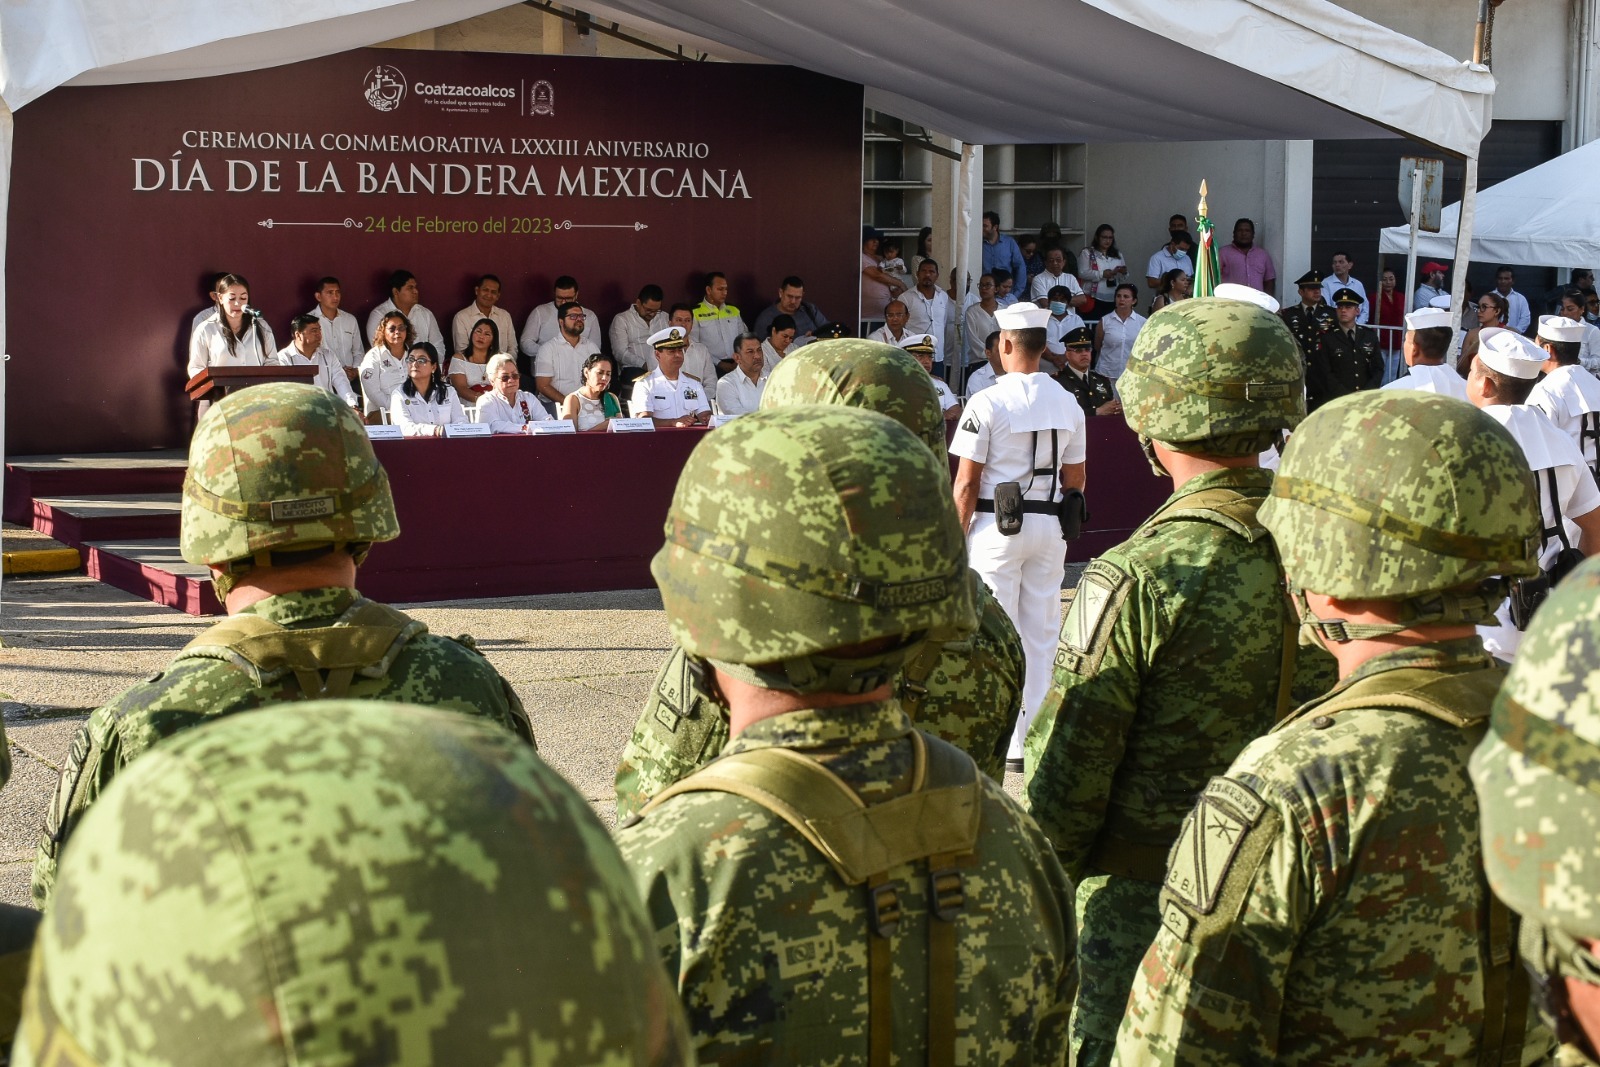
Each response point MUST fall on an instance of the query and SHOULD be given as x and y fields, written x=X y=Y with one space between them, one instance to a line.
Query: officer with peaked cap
x=1501 y=381
x=283 y=499
x=667 y=394
x=1324 y=901
x=1569 y=394
x=1021 y=447
x=1348 y=357
x=923 y=347
x=1094 y=392
x=1310 y=317
x=1426 y=347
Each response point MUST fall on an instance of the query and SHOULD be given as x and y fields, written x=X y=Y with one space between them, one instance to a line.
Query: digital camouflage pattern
x=860 y=374
x=1325 y=902
x=281 y=466
x=340 y=883
x=805 y=529
x=769 y=945
x=1427 y=494
x=969 y=695
x=1213 y=375
x=1169 y=663
x=205 y=683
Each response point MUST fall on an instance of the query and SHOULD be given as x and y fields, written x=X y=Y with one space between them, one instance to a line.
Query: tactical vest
x=323 y=659
x=935 y=826
x=1462 y=701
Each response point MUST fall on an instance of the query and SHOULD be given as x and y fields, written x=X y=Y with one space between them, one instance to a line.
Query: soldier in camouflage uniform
x=1149 y=700
x=1536 y=782
x=341 y=883
x=17 y=927
x=966 y=690
x=839 y=887
x=282 y=500
x=1325 y=902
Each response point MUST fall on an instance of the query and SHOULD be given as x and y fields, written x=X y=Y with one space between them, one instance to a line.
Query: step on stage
x=479 y=517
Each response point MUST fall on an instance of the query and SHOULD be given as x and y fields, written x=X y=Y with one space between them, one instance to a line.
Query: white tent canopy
x=1548 y=216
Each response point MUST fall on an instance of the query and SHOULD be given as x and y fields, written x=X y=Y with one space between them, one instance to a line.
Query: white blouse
x=418 y=416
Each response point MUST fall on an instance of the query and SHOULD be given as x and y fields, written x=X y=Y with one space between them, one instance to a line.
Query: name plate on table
x=386 y=432
x=721 y=420
x=468 y=429
x=633 y=426
x=552 y=426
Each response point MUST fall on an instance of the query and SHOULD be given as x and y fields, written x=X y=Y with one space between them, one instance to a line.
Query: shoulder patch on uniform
x=1087 y=629
x=1211 y=841
x=969 y=424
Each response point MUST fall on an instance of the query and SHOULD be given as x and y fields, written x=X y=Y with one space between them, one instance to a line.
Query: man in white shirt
x=305 y=349
x=1426 y=347
x=406 y=298
x=1432 y=285
x=718 y=322
x=1501 y=382
x=1174 y=255
x=485 y=305
x=1518 y=316
x=544 y=321
x=1568 y=394
x=921 y=348
x=1341 y=279
x=558 y=364
x=1056 y=273
x=739 y=391
x=930 y=311
x=893 y=330
x=697 y=361
x=631 y=331
x=340 y=334
x=985 y=376
x=666 y=395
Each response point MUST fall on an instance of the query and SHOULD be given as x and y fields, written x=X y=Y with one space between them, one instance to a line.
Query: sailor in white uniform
x=1502 y=377
x=923 y=347
x=666 y=394
x=1426 y=347
x=1568 y=394
x=1027 y=431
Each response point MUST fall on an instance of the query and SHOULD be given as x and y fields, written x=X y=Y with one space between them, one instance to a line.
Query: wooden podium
x=213 y=382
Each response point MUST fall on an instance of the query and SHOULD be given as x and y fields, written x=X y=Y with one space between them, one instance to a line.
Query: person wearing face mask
x=1063 y=320
x=1325 y=899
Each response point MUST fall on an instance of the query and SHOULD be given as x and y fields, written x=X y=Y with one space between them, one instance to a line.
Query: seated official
x=231 y=334
x=558 y=367
x=1092 y=390
x=424 y=405
x=780 y=338
x=666 y=395
x=507 y=408
x=485 y=305
x=469 y=367
x=383 y=368
x=739 y=391
x=791 y=302
x=592 y=406
x=922 y=348
x=404 y=297
x=697 y=359
x=306 y=349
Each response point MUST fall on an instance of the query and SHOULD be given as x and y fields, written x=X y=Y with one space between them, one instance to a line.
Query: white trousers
x=1025 y=573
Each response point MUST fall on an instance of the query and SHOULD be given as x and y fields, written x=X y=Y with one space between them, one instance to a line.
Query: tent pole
x=7 y=135
x=1411 y=252
x=1458 y=284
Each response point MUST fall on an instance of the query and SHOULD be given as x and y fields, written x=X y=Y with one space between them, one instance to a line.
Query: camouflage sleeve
x=681 y=728
x=1078 y=738
x=1241 y=888
x=517 y=718
x=95 y=756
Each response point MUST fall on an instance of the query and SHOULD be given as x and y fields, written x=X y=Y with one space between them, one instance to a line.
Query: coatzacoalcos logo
x=384 y=87
x=541 y=98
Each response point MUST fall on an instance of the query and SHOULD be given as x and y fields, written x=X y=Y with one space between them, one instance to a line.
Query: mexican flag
x=1206 y=271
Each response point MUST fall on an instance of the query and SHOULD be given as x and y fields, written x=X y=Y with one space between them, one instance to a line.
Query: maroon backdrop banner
x=126 y=200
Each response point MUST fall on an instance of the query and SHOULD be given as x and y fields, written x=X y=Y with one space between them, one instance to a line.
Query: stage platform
x=479 y=517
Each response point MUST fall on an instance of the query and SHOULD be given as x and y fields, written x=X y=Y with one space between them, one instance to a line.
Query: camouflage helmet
x=800 y=531
x=1222 y=377
x=1395 y=494
x=283 y=466
x=1535 y=771
x=855 y=373
x=343 y=882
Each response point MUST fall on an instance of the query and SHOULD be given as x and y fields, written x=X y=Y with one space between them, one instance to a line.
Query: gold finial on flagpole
x=1203 y=197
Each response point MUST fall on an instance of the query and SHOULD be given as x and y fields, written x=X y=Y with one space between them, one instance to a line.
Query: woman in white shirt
x=506 y=408
x=383 y=368
x=980 y=322
x=591 y=407
x=1100 y=268
x=424 y=405
x=780 y=335
x=231 y=336
x=1114 y=333
x=469 y=370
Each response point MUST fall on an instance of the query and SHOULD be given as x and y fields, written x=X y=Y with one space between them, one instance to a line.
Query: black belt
x=1029 y=507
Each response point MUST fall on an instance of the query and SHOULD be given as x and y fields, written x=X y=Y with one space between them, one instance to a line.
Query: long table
x=511 y=515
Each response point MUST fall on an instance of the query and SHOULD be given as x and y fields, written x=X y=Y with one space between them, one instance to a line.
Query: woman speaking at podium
x=423 y=405
x=235 y=334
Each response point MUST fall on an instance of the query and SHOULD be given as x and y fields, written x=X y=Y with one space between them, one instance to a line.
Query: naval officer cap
x=671 y=337
x=1440 y=301
x=918 y=344
x=1428 y=318
x=1235 y=291
x=1022 y=316
x=1560 y=328
x=1510 y=353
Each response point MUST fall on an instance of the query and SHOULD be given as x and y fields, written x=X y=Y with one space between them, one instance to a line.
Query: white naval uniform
x=1432 y=378
x=947 y=399
x=658 y=397
x=697 y=362
x=543 y=326
x=980 y=379
x=381 y=374
x=562 y=363
x=1024 y=570
x=330 y=374
x=461 y=328
x=630 y=338
x=504 y=416
x=342 y=337
x=1546 y=448
x=1570 y=398
x=423 y=324
x=1589 y=354
x=208 y=345
x=416 y=414
x=737 y=394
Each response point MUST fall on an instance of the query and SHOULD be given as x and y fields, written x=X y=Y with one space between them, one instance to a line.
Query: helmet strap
x=1148 y=448
x=1552 y=956
x=1474 y=607
x=824 y=673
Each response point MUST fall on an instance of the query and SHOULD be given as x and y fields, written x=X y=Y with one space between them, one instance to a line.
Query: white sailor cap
x=1428 y=318
x=671 y=337
x=917 y=343
x=1022 y=316
x=1235 y=291
x=1508 y=352
x=1440 y=301
x=1560 y=328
